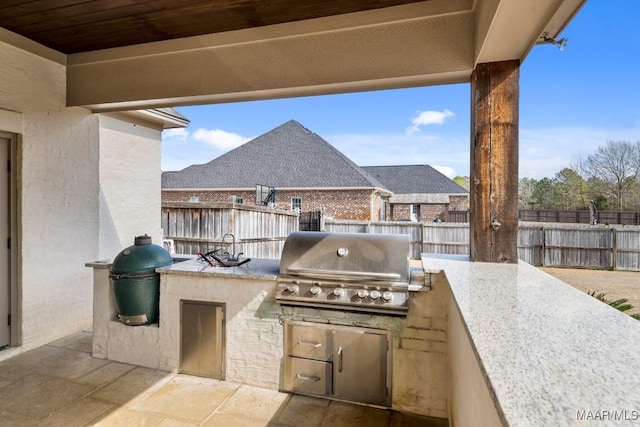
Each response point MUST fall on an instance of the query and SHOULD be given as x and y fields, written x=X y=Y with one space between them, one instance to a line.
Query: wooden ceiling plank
x=187 y=20
x=11 y=9
x=85 y=14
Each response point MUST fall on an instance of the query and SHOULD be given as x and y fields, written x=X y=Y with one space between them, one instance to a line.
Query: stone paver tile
x=106 y=374
x=39 y=396
x=233 y=420
x=167 y=422
x=302 y=411
x=256 y=403
x=342 y=414
x=42 y=359
x=75 y=365
x=126 y=417
x=135 y=384
x=400 y=419
x=78 y=413
x=70 y=340
x=9 y=419
x=85 y=344
x=16 y=367
x=187 y=398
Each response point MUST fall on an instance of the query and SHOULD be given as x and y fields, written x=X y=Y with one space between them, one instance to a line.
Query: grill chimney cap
x=142 y=240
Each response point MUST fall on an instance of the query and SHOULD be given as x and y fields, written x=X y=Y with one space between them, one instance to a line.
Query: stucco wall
x=58 y=186
x=58 y=169
x=57 y=178
x=129 y=183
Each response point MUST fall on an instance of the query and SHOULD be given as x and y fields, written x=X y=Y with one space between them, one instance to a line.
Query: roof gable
x=414 y=179
x=289 y=156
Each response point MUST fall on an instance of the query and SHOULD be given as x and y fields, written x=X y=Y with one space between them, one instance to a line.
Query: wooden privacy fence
x=569 y=217
x=550 y=245
x=259 y=232
x=579 y=216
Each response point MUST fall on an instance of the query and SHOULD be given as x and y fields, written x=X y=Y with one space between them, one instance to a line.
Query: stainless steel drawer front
x=308 y=342
x=308 y=376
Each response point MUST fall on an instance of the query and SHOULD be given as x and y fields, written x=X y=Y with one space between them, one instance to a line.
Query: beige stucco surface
x=86 y=184
x=57 y=180
x=129 y=183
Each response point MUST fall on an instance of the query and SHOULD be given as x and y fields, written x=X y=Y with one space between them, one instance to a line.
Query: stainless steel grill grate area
x=356 y=272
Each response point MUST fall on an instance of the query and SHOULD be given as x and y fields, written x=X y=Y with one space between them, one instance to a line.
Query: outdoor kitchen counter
x=549 y=353
x=257 y=268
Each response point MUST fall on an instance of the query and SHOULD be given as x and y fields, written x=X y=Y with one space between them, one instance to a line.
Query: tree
x=617 y=166
x=526 y=189
x=542 y=194
x=570 y=190
x=462 y=181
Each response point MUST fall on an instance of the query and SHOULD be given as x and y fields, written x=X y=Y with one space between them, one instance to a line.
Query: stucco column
x=494 y=162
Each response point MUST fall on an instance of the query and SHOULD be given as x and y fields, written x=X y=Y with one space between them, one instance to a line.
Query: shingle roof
x=289 y=156
x=414 y=179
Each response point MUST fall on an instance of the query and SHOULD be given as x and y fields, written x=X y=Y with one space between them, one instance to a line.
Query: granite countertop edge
x=547 y=350
x=256 y=268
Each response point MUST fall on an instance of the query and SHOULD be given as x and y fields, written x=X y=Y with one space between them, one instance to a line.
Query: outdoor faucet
x=233 y=247
x=234 y=259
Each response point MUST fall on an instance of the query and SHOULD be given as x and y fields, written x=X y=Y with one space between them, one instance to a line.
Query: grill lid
x=351 y=257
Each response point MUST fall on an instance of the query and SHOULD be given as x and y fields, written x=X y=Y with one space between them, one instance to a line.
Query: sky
x=571 y=102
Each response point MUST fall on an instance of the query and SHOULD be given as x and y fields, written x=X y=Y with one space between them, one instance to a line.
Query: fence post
x=543 y=249
x=614 y=248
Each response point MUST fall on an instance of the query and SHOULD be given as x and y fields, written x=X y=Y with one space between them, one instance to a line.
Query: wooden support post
x=494 y=162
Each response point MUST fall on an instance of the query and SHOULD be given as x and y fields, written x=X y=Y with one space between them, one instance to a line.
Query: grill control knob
x=374 y=295
x=363 y=293
x=315 y=290
x=292 y=289
x=387 y=296
x=338 y=292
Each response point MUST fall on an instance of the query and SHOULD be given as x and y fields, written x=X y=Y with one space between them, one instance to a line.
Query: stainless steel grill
x=357 y=272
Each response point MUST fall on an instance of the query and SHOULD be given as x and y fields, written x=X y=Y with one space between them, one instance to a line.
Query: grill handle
x=343 y=275
x=313 y=344
x=308 y=378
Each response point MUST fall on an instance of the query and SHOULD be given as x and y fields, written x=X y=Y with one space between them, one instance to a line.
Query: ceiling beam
x=413 y=45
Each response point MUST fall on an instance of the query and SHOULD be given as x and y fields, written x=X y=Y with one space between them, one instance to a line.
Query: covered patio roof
x=149 y=54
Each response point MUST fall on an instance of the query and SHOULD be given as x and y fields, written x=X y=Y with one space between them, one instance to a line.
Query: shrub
x=621 y=304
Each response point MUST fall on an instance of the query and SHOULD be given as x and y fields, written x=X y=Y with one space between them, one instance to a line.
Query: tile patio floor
x=60 y=384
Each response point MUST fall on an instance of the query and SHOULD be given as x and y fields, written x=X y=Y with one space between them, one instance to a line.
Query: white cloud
x=426 y=118
x=445 y=170
x=220 y=139
x=179 y=134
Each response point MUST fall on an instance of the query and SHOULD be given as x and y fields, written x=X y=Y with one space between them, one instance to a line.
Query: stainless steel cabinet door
x=361 y=367
x=202 y=341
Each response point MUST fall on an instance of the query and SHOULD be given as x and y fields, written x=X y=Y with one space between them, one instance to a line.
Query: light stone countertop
x=257 y=268
x=547 y=349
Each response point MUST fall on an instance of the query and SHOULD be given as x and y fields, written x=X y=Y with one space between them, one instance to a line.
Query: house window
x=415 y=213
x=239 y=200
x=296 y=204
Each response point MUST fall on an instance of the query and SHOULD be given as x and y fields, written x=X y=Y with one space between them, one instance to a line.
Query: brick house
x=309 y=174
x=420 y=193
